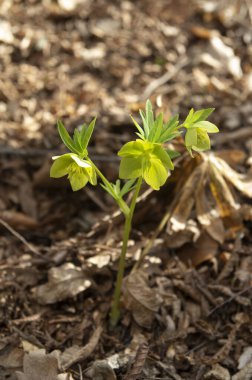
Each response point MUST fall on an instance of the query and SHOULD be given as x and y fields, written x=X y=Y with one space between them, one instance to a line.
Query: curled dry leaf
x=63 y=282
x=140 y=299
x=207 y=191
x=40 y=366
x=245 y=357
x=244 y=373
x=75 y=353
x=217 y=373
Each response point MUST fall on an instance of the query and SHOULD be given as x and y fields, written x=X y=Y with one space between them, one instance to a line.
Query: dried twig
x=163 y=79
x=23 y=240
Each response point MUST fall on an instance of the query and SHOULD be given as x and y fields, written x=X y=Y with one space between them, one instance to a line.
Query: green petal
x=163 y=156
x=78 y=180
x=80 y=162
x=92 y=176
x=135 y=148
x=155 y=174
x=191 y=137
x=203 y=141
x=207 y=126
x=60 y=166
x=130 y=167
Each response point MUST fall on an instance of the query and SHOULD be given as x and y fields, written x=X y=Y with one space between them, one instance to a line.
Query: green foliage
x=78 y=144
x=196 y=137
x=145 y=158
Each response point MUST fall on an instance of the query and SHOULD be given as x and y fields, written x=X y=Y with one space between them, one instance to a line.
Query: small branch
x=23 y=240
x=163 y=79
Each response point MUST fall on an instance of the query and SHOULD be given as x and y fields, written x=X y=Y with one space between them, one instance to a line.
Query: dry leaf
x=207 y=191
x=217 y=373
x=75 y=353
x=140 y=299
x=244 y=373
x=245 y=357
x=40 y=366
x=63 y=282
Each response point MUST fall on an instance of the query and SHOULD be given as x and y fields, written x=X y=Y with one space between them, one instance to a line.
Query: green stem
x=115 y=310
x=121 y=203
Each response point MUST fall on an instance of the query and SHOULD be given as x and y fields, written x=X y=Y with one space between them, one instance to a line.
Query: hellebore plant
x=146 y=159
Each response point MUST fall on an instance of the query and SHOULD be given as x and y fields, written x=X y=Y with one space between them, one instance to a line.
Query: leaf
x=141 y=131
x=40 y=366
x=149 y=114
x=145 y=125
x=76 y=354
x=140 y=299
x=156 y=129
x=189 y=118
x=76 y=139
x=183 y=206
x=243 y=182
x=64 y=135
x=128 y=186
x=85 y=137
x=207 y=214
x=63 y=282
x=201 y=115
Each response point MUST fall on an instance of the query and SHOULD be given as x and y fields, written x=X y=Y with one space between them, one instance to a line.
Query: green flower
x=79 y=171
x=197 y=138
x=145 y=159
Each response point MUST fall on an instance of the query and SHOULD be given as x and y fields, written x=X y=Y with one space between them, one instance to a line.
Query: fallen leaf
x=196 y=253
x=75 y=353
x=245 y=357
x=63 y=282
x=140 y=299
x=41 y=366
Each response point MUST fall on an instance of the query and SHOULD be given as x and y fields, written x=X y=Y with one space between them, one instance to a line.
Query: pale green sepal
x=203 y=141
x=92 y=176
x=80 y=162
x=191 y=137
x=78 y=180
x=207 y=126
x=133 y=148
x=130 y=167
x=155 y=174
x=160 y=153
x=60 y=166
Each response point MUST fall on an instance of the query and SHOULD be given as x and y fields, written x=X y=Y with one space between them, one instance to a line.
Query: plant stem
x=121 y=203
x=115 y=310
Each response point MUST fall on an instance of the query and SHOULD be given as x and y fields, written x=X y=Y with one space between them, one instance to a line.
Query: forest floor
x=186 y=310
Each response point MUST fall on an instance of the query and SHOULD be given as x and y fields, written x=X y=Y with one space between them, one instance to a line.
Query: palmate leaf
x=169 y=132
x=64 y=135
x=156 y=129
x=128 y=186
x=202 y=115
